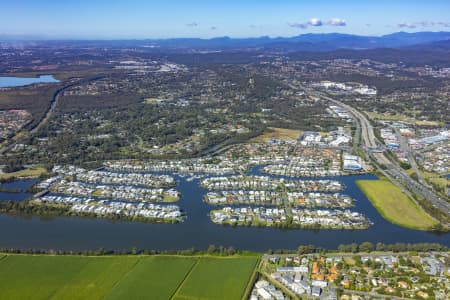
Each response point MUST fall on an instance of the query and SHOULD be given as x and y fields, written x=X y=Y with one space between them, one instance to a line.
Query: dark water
x=19 y=187
x=21 y=81
x=198 y=231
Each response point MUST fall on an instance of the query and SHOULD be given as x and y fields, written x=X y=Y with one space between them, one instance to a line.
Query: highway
x=394 y=172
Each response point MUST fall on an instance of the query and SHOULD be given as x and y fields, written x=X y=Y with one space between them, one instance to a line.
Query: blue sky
x=234 y=18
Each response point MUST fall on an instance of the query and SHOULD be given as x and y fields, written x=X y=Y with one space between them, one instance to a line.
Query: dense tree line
x=230 y=250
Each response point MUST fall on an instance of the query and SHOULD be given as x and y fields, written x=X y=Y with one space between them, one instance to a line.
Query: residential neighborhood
x=290 y=218
x=108 y=208
x=11 y=121
x=262 y=197
x=355 y=276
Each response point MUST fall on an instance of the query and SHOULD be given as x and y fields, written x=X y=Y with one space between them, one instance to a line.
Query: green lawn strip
x=57 y=277
x=251 y=281
x=218 y=278
x=27 y=173
x=153 y=278
x=394 y=205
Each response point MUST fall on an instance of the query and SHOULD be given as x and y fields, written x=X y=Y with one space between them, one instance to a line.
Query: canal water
x=71 y=233
x=16 y=190
x=22 y=81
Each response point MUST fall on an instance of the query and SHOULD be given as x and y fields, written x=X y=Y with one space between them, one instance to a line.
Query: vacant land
x=217 y=279
x=435 y=179
x=394 y=205
x=277 y=133
x=27 y=173
x=120 y=277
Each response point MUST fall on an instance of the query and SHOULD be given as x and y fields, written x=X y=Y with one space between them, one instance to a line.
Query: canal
x=71 y=233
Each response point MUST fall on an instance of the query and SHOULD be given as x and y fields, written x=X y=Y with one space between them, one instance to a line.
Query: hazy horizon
x=120 y=19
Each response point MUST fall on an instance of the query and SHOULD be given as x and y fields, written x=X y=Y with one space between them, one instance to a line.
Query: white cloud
x=315 y=22
x=337 y=22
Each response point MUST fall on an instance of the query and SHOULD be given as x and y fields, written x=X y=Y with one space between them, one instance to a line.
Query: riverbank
x=395 y=206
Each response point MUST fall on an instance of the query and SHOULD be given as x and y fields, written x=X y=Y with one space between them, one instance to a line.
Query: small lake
x=71 y=233
x=22 y=81
x=19 y=187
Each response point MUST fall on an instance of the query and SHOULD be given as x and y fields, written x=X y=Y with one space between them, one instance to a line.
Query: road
x=394 y=172
x=384 y=165
x=404 y=146
x=368 y=138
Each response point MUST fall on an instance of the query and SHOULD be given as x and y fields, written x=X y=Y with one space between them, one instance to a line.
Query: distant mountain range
x=308 y=42
x=304 y=42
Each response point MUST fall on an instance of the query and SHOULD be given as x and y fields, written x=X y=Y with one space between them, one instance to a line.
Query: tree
x=354 y=247
x=211 y=249
x=366 y=247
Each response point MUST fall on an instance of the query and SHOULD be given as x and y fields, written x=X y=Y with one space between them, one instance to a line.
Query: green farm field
x=155 y=276
x=223 y=278
x=124 y=277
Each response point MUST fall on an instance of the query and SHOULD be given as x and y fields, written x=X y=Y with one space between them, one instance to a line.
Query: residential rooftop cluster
x=291 y=217
x=255 y=197
x=108 y=208
x=359 y=276
x=264 y=290
x=122 y=192
x=437 y=159
x=267 y=183
x=217 y=166
x=107 y=177
x=301 y=167
x=11 y=121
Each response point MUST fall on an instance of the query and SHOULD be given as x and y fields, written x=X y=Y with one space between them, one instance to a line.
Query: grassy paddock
x=277 y=133
x=124 y=277
x=394 y=205
x=27 y=173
